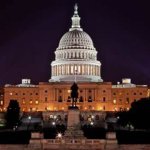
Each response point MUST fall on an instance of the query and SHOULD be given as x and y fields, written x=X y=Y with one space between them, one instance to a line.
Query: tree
x=12 y=114
x=123 y=118
x=137 y=115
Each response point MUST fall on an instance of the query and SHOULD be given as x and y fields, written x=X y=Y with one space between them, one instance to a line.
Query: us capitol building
x=75 y=61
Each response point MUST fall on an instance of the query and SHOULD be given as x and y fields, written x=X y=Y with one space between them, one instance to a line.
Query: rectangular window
x=1 y=102
x=45 y=99
x=104 y=99
x=60 y=99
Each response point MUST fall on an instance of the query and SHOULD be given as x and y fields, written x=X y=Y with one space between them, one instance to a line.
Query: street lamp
x=92 y=123
x=29 y=118
x=53 y=123
x=59 y=136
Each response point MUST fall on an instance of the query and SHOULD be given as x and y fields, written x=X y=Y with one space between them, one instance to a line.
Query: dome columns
x=78 y=69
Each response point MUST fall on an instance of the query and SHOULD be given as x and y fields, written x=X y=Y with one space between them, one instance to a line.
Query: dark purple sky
x=30 y=31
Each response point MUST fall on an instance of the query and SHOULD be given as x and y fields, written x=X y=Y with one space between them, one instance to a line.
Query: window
x=36 y=93
x=81 y=99
x=90 y=99
x=69 y=99
x=114 y=93
x=90 y=107
x=60 y=99
x=60 y=91
x=45 y=99
x=104 y=99
x=90 y=91
x=23 y=93
x=134 y=93
x=104 y=108
x=30 y=101
x=127 y=100
x=45 y=91
x=104 y=91
x=1 y=102
x=114 y=101
x=23 y=101
x=36 y=102
x=16 y=93
x=69 y=91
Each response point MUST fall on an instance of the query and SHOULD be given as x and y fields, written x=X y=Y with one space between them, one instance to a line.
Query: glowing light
x=93 y=117
x=29 y=117
x=69 y=91
x=100 y=108
x=115 y=109
x=91 y=123
x=53 y=123
x=128 y=108
x=59 y=136
x=36 y=102
x=114 y=101
x=48 y=108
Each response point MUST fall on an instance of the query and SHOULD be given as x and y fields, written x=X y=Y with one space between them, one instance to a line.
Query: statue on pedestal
x=74 y=95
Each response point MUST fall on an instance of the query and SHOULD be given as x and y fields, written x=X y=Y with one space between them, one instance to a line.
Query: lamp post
x=29 y=118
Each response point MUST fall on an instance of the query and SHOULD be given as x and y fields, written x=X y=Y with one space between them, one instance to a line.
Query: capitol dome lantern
x=76 y=56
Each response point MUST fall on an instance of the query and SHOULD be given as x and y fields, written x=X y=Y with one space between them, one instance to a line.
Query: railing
x=73 y=141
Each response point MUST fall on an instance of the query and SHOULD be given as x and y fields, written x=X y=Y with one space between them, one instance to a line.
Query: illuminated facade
x=75 y=60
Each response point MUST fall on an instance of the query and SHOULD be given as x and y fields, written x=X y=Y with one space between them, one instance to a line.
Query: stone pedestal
x=111 y=141
x=35 y=141
x=73 y=125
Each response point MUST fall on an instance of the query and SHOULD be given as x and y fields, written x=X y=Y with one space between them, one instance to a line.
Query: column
x=88 y=69
x=56 y=71
x=65 y=69
x=69 y=70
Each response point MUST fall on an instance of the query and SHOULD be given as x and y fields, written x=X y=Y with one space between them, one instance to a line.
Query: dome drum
x=76 y=54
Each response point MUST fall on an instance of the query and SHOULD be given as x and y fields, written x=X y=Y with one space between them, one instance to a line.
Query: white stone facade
x=76 y=56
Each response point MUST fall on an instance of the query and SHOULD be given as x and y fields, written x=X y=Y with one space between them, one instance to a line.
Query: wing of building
x=75 y=61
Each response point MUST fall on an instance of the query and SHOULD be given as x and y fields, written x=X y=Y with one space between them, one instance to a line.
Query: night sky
x=30 y=31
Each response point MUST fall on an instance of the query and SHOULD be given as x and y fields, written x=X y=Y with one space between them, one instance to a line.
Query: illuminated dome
x=76 y=56
x=76 y=39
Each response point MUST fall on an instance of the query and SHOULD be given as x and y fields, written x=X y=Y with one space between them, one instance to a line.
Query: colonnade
x=75 y=54
x=78 y=69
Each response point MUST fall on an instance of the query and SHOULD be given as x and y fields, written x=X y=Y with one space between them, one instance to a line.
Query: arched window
x=89 y=99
